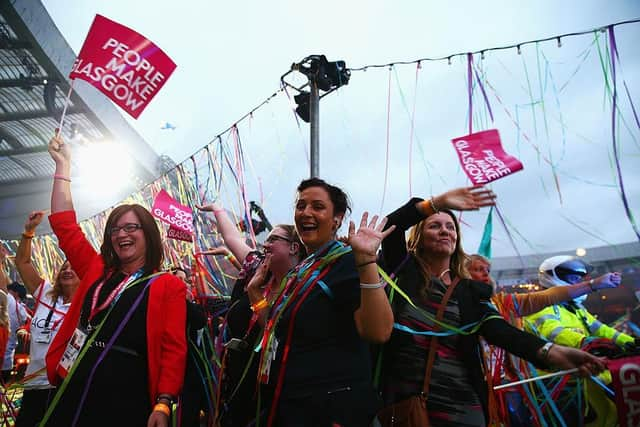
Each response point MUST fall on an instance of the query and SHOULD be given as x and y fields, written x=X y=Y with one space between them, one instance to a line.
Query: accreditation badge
x=43 y=336
x=71 y=352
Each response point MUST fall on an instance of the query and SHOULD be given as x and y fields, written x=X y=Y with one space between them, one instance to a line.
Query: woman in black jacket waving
x=426 y=265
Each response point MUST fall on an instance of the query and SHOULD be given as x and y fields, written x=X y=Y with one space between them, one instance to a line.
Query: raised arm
x=462 y=199
x=374 y=317
x=232 y=237
x=27 y=271
x=63 y=220
x=61 y=193
x=529 y=303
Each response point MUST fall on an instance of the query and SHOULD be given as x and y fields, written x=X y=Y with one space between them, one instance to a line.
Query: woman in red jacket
x=119 y=356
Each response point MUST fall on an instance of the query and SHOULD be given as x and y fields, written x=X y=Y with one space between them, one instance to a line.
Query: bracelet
x=433 y=206
x=259 y=305
x=28 y=235
x=591 y=283
x=162 y=407
x=230 y=257
x=61 y=177
x=544 y=352
x=378 y=285
x=366 y=263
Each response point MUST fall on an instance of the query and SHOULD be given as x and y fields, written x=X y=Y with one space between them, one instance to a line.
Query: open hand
x=366 y=241
x=465 y=199
x=211 y=207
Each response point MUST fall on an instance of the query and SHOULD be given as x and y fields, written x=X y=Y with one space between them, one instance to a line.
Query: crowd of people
x=320 y=330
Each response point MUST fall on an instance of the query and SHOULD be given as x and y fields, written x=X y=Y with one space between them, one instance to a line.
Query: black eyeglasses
x=128 y=228
x=274 y=238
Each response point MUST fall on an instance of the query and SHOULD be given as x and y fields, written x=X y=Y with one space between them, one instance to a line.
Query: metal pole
x=314 y=121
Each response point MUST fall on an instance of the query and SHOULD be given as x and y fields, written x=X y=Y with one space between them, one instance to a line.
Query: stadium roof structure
x=35 y=60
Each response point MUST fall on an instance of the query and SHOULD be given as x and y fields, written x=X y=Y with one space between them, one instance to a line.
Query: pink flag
x=176 y=233
x=625 y=373
x=482 y=157
x=179 y=217
x=123 y=64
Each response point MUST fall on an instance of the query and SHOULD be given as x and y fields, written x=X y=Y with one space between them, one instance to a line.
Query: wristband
x=433 y=206
x=378 y=285
x=28 y=235
x=591 y=283
x=61 y=177
x=259 y=305
x=162 y=407
x=544 y=352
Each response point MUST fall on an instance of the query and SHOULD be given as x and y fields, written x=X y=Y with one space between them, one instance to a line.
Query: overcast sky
x=230 y=56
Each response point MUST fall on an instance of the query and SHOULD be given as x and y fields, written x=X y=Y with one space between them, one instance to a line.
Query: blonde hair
x=415 y=246
x=485 y=260
x=56 y=289
x=4 y=311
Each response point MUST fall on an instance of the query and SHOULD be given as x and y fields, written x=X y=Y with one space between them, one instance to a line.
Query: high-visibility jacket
x=568 y=324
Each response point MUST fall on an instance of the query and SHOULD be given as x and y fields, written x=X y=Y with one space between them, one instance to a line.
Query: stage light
x=327 y=75
x=581 y=252
x=302 y=105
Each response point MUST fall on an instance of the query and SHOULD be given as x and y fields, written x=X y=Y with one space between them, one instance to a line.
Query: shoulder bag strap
x=433 y=345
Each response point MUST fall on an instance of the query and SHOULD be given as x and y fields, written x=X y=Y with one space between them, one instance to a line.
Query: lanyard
x=46 y=323
x=112 y=296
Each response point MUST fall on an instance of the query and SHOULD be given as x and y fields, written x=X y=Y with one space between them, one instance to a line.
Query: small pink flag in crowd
x=178 y=216
x=122 y=64
x=482 y=157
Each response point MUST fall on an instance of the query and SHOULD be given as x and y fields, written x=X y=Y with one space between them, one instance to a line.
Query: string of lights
x=517 y=46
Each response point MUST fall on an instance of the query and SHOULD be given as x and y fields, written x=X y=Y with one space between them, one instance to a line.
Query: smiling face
x=314 y=216
x=68 y=280
x=130 y=247
x=439 y=235
x=279 y=245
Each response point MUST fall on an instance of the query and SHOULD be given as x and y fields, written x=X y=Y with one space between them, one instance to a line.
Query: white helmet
x=555 y=271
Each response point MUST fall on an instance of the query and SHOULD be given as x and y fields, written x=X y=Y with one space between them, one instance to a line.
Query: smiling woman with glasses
x=122 y=343
x=128 y=228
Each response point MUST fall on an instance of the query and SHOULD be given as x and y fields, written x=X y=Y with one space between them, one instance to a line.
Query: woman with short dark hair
x=315 y=358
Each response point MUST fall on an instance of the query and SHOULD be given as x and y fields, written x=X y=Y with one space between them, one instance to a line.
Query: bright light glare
x=104 y=167
x=581 y=251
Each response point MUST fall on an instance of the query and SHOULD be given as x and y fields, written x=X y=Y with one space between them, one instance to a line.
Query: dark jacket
x=473 y=302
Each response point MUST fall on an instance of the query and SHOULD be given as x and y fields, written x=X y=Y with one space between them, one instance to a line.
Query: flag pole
x=64 y=108
x=541 y=377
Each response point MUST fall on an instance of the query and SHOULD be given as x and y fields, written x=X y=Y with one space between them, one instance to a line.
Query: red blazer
x=166 y=312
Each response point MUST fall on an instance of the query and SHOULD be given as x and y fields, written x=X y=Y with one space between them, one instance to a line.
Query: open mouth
x=125 y=244
x=67 y=276
x=308 y=227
